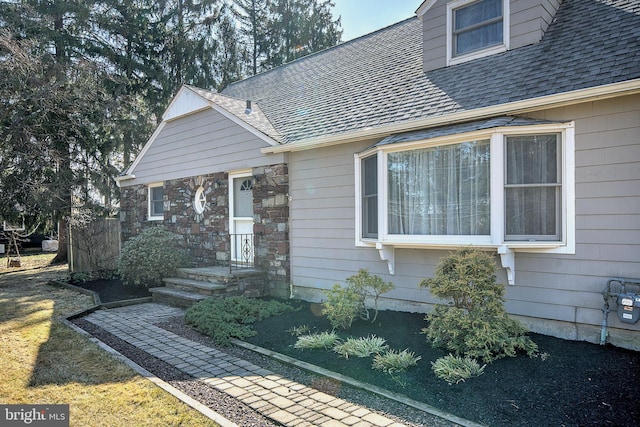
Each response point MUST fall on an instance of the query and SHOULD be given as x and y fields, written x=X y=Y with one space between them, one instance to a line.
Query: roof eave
x=628 y=87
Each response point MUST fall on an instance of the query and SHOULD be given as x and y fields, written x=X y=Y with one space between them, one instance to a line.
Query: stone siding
x=205 y=235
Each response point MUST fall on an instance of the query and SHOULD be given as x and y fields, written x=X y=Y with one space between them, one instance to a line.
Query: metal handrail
x=241 y=253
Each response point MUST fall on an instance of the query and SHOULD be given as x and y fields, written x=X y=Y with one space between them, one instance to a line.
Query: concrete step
x=175 y=297
x=195 y=286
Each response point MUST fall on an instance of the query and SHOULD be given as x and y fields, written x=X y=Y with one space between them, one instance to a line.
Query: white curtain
x=532 y=191
x=478 y=37
x=440 y=191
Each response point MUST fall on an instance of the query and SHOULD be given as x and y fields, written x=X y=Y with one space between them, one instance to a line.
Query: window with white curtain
x=532 y=188
x=440 y=190
x=370 y=197
x=494 y=188
x=476 y=28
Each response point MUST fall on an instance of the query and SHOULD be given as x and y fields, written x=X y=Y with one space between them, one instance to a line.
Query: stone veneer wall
x=205 y=235
x=271 y=226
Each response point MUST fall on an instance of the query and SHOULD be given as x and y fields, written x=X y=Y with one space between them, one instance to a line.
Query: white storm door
x=241 y=219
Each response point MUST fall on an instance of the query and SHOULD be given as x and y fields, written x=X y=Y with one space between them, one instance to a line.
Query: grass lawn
x=45 y=362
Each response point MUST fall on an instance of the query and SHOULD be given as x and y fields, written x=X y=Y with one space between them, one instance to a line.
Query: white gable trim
x=245 y=125
x=185 y=102
x=424 y=7
x=129 y=173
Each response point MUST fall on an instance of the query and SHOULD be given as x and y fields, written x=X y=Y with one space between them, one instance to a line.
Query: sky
x=360 y=17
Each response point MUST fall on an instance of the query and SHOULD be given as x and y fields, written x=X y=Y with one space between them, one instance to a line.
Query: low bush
x=323 y=340
x=226 y=318
x=393 y=361
x=150 y=257
x=474 y=323
x=361 y=347
x=454 y=369
x=345 y=304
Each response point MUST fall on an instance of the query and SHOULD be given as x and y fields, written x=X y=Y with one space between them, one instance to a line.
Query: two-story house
x=509 y=125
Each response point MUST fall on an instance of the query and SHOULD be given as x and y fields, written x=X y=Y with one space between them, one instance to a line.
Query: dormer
x=457 y=31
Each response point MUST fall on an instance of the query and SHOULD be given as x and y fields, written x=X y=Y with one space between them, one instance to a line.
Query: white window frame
x=153 y=216
x=496 y=238
x=492 y=50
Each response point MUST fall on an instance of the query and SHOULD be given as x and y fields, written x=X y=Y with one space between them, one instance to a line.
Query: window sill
x=506 y=250
x=155 y=218
x=476 y=54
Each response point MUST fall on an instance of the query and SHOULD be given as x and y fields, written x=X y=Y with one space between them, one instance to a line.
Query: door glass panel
x=243 y=195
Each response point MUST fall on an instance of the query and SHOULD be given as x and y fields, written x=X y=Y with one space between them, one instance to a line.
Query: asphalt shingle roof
x=378 y=80
x=476 y=125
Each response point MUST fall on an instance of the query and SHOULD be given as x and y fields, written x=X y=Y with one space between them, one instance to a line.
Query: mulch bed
x=111 y=290
x=574 y=384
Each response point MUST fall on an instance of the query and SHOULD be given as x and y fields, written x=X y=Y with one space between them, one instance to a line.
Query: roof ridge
x=320 y=52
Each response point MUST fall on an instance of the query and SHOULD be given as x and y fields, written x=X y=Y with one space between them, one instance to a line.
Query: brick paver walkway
x=280 y=399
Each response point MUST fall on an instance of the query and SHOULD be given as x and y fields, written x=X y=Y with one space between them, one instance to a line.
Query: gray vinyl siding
x=528 y=21
x=434 y=37
x=548 y=287
x=200 y=143
x=568 y=287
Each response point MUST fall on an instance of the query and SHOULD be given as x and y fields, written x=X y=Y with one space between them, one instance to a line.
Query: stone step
x=195 y=286
x=218 y=275
x=175 y=297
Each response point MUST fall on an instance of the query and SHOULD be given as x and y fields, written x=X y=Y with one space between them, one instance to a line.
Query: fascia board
x=246 y=126
x=424 y=7
x=518 y=107
x=154 y=136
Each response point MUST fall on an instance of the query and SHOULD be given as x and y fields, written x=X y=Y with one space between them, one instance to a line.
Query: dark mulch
x=111 y=290
x=574 y=384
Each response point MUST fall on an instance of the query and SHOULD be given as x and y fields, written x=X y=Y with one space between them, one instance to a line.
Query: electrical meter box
x=628 y=307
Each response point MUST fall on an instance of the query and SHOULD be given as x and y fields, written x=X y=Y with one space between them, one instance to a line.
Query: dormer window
x=476 y=28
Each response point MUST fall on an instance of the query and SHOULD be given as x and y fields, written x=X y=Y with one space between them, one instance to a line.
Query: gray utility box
x=628 y=307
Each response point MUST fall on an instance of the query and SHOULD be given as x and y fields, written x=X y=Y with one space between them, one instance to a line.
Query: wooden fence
x=94 y=246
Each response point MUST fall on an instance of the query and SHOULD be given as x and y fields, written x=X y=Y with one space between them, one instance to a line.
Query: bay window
x=507 y=187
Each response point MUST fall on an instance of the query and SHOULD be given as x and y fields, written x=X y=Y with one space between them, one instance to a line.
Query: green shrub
x=344 y=305
x=393 y=361
x=323 y=340
x=361 y=347
x=150 y=257
x=474 y=323
x=454 y=369
x=226 y=318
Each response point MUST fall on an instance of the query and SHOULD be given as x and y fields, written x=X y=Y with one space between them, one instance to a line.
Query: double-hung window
x=533 y=188
x=476 y=28
x=156 y=202
x=509 y=187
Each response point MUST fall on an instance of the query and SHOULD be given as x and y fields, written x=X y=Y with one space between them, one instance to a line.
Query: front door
x=241 y=219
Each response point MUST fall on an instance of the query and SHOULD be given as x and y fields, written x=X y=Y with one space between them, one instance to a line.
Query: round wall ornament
x=200 y=201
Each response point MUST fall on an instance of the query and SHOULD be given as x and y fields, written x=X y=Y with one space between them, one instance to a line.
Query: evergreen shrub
x=345 y=304
x=474 y=323
x=150 y=257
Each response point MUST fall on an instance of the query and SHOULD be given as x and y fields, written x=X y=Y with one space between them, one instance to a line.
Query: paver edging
x=355 y=383
x=188 y=400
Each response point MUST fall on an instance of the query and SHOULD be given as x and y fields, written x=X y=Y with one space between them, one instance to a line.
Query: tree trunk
x=63 y=242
